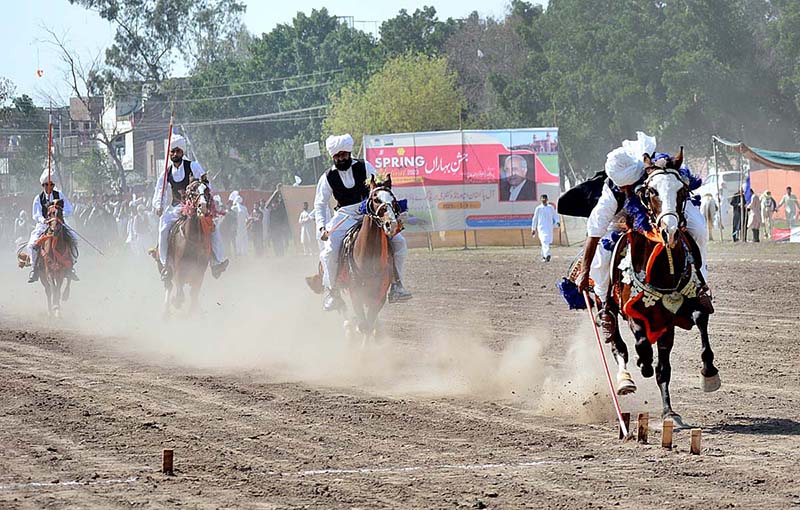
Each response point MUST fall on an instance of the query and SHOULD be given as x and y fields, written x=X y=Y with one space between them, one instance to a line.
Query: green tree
x=151 y=33
x=420 y=32
x=410 y=93
x=30 y=155
x=93 y=172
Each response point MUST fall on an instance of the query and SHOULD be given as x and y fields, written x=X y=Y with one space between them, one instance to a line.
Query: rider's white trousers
x=171 y=215
x=329 y=256
x=600 y=272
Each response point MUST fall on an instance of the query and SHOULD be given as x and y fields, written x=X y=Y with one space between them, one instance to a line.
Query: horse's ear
x=388 y=180
x=372 y=181
x=648 y=161
x=679 y=159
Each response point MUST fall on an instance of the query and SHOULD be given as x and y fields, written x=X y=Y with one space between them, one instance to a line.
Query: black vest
x=45 y=203
x=179 y=187
x=349 y=196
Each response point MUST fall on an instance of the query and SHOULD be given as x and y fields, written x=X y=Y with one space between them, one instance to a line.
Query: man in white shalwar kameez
x=346 y=182
x=307 y=236
x=241 y=225
x=545 y=218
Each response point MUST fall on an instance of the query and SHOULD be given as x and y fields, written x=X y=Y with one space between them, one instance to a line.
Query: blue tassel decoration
x=571 y=294
x=637 y=213
x=610 y=241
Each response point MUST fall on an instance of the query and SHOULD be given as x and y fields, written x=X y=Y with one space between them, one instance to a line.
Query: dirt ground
x=485 y=393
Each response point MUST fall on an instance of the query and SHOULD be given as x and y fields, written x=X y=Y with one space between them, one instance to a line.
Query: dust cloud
x=260 y=322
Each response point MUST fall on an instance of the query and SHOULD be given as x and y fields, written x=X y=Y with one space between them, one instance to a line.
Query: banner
x=457 y=180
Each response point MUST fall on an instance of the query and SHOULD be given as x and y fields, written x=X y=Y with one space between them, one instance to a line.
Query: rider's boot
x=218 y=269
x=72 y=275
x=34 y=276
x=331 y=300
x=398 y=293
x=607 y=321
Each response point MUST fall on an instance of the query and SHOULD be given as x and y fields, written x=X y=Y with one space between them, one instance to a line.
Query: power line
x=270 y=80
x=236 y=96
x=262 y=116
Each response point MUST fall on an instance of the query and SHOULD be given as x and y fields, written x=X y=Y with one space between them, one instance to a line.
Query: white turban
x=233 y=196
x=337 y=144
x=218 y=199
x=44 y=176
x=177 y=142
x=624 y=164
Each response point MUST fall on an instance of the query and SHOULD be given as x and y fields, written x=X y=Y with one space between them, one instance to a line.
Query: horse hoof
x=647 y=371
x=712 y=383
x=625 y=387
x=677 y=421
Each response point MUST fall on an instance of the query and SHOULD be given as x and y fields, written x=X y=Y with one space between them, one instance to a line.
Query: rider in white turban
x=41 y=202
x=177 y=142
x=625 y=168
x=346 y=182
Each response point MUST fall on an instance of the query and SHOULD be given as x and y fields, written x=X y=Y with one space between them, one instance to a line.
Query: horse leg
x=625 y=384
x=57 y=298
x=644 y=349
x=179 y=298
x=663 y=376
x=167 y=291
x=47 y=292
x=65 y=294
x=710 y=374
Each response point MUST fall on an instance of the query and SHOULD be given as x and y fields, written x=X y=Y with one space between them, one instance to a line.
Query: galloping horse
x=655 y=281
x=366 y=260
x=55 y=260
x=189 y=246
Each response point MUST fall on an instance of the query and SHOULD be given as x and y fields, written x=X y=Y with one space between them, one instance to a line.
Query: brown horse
x=55 y=258
x=189 y=247
x=367 y=265
x=656 y=280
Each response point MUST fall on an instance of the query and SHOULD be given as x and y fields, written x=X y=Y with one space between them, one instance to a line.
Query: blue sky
x=25 y=48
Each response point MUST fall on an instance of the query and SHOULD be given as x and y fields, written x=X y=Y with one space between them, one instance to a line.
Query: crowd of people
x=760 y=212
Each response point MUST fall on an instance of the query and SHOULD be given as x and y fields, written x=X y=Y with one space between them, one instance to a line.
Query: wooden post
x=644 y=425
x=666 y=434
x=626 y=417
x=166 y=462
x=695 y=446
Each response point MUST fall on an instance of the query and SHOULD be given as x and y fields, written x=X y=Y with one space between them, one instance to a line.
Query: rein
x=376 y=214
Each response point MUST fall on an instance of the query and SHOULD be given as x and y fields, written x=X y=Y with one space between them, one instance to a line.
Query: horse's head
x=198 y=197
x=55 y=215
x=382 y=205
x=664 y=194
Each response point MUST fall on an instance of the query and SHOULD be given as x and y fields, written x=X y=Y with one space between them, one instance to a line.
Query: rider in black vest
x=349 y=196
x=41 y=204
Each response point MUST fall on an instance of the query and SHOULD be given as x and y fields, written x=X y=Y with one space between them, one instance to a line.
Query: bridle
x=377 y=214
x=645 y=191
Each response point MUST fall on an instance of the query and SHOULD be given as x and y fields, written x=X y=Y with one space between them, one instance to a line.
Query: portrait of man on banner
x=517 y=174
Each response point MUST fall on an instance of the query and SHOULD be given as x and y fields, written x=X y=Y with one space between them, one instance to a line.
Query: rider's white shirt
x=178 y=174
x=38 y=214
x=325 y=194
x=603 y=214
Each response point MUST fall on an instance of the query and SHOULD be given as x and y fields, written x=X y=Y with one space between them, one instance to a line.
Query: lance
x=605 y=365
x=84 y=239
x=49 y=144
x=166 y=157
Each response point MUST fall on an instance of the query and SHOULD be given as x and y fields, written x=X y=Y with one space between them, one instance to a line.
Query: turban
x=177 y=142
x=43 y=178
x=232 y=196
x=624 y=164
x=337 y=144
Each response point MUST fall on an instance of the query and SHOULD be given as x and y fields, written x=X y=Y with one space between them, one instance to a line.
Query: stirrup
x=607 y=323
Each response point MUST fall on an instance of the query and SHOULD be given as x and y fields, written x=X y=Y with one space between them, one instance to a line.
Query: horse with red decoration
x=651 y=272
x=56 y=254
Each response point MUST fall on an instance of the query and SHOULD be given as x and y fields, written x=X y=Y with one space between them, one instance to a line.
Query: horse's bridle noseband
x=644 y=195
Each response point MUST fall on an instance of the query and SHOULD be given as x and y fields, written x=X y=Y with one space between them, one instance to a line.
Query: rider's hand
x=583 y=281
x=323 y=235
x=159 y=211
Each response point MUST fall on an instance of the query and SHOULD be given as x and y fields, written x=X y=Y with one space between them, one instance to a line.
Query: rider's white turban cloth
x=624 y=164
x=177 y=142
x=337 y=144
x=45 y=173
x=233 y=196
